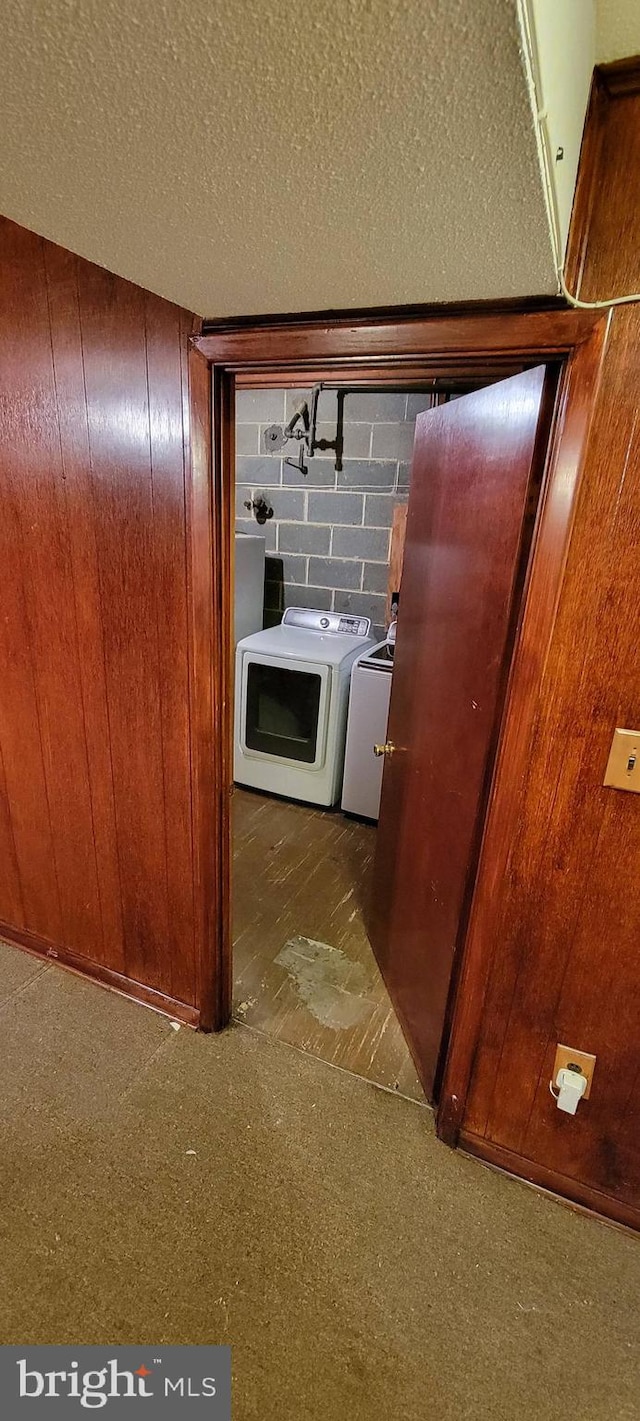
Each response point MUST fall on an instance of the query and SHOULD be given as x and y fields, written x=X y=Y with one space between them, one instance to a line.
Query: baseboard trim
x=570 y=1192
x=103 y=976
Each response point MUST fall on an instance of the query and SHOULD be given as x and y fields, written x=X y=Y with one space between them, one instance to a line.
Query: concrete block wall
x=328 y=540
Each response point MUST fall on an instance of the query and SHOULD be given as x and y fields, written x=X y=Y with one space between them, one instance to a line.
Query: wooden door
x=473 y=464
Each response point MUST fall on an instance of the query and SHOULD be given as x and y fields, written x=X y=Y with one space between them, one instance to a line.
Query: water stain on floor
x=328 y=982
x=302 y=878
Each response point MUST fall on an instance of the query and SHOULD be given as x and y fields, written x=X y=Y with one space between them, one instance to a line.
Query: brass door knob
x=387 y=749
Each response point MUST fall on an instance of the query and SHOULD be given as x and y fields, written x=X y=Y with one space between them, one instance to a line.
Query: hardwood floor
x=304 y=969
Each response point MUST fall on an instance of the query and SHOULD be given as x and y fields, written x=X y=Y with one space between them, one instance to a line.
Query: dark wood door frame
x=384 y=349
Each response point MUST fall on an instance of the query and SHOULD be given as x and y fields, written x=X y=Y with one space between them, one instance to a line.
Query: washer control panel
x=329 y=623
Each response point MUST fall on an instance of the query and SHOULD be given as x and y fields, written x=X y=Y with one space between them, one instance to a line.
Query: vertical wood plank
x=62 y=284
x=112 y=316
x=26 y=803
x=11 y=896
x=164 y=373
x=34 y=487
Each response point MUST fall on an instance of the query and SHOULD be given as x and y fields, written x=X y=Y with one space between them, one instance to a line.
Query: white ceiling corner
x=617 y=29
x=240 y=157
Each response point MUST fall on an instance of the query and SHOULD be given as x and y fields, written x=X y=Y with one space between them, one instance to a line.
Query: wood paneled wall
x=566 y=956
x=96 y=861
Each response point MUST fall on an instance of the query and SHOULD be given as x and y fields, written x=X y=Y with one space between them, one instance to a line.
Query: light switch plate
x=566 y=1056
x=623 y=765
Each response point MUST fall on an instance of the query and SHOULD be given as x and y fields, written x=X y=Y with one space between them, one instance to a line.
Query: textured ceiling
x=617 y=29
x=246 y=156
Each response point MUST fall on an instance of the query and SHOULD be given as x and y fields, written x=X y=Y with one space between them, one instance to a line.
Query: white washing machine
x=292 y=692
x=366 y=727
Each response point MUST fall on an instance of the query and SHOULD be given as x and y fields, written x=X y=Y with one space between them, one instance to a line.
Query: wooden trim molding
x=203 y=633
x=42 y=947
x=223 y=474
x=518 y=335
x=621 y=77
x=618 y=80
x=565 y=1189
x=401 y=373
x=586 y=186
x=212 y=430
x=366 y=315
x=540 y=601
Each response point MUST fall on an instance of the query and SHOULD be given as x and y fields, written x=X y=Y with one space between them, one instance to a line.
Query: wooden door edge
x=567 y=448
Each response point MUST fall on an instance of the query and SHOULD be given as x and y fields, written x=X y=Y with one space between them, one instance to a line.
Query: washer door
x=285 y=711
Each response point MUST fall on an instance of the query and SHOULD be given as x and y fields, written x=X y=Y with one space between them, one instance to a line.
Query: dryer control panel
x=326 y=622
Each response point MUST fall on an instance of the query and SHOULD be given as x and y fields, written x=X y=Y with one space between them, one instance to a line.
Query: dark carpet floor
x=167 y=1187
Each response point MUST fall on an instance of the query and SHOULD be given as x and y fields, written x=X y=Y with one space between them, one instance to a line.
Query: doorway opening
x=526 y=429
x=318 y=587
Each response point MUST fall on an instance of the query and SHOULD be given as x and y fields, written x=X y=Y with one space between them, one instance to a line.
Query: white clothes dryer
x=292 y=693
